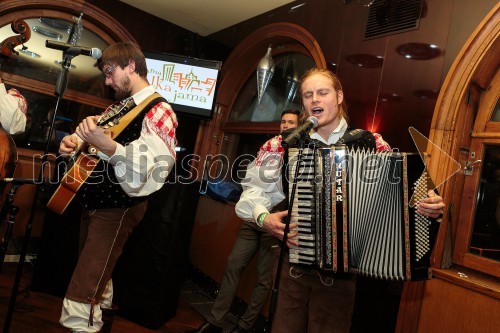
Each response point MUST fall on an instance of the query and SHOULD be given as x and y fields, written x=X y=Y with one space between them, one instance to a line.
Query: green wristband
x=260 y=219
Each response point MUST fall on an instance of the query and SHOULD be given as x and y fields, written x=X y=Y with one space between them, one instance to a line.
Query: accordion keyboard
x=422 y=224
x=303 y=212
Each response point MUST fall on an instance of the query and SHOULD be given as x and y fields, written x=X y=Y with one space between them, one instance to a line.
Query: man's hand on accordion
x=274 y=224
x=432 y=206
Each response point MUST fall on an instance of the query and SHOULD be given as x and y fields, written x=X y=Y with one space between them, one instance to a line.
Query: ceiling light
x=419 y=51
x=426 y=94
x=365 y=60
x=390 y=97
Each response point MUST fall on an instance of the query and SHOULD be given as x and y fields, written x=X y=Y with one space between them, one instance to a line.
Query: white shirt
x=143 y=165
x=334 y=136
x=262 y=186
x=12 y=118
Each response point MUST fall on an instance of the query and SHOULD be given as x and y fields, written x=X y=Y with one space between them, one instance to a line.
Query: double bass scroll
x=8 y=45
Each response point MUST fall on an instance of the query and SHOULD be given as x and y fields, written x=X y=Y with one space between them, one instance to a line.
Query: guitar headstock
x=115 y=112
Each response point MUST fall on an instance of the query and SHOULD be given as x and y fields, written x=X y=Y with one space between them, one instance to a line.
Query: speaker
x=58 y=251
x=149 y=274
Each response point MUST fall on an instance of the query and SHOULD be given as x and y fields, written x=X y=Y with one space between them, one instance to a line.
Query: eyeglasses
x=108 y=72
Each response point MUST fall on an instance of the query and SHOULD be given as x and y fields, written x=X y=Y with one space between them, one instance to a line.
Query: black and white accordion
x=354 y=212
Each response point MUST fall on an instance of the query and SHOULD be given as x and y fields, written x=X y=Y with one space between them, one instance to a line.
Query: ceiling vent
x=387 y=17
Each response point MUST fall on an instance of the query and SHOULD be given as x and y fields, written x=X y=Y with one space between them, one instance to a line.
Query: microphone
x=74 y=50
x=311 y=122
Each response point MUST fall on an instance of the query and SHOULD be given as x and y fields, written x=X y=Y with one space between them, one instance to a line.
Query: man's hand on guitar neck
x=97 y=136
x=92 y=134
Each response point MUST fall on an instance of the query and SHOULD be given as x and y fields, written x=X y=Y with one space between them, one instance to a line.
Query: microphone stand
x=274 y=294
x=8 y=208
x=61 y=84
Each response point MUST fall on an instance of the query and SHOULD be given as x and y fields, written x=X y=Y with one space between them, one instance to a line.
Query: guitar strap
x=130 y=116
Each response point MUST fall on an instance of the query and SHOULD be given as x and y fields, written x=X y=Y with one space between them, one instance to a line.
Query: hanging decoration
x=265 y=71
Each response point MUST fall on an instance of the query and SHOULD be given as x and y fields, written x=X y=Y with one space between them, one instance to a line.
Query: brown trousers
x=312 y=302
x=108 y=230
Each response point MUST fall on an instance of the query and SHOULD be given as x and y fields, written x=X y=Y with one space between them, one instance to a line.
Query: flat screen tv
x=188 y=84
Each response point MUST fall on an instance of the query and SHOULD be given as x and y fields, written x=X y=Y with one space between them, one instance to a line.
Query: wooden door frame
x=475 y=64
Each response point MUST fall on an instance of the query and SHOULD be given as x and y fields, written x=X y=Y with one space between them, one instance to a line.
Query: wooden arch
x=241 y=63
x=476 y=64
x=284 y=37
x=95 y=19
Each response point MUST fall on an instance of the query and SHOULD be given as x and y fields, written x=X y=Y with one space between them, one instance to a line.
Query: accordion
x=354 y=212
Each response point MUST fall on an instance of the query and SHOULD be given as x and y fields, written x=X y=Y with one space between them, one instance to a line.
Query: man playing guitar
x=130 y=165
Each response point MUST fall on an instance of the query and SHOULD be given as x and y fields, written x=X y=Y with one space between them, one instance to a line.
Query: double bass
x=8 y=150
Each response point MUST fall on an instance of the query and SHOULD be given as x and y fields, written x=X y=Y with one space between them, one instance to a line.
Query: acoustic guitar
x=84 y=159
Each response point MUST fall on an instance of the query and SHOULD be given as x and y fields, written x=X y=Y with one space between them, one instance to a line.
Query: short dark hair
x=298 y=113
x=120 y=54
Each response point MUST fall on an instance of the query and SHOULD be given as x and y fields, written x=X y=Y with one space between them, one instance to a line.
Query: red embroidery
x=21 y=101
x=162 y=120
x=380 y=144
x=272 y=148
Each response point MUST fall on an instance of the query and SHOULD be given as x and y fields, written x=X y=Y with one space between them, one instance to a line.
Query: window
x=496 y=112
x=243 y=129
x=281 y=93
x=40 y=112
x=36 y=61
x=485 y=235
x=477 y=244
x=35 y=71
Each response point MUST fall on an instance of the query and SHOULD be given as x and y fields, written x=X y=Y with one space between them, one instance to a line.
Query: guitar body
x=71 y=182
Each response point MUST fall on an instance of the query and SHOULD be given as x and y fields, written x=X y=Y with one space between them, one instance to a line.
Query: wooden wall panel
x=215 y=230
x=456 y=309
x=214 y=233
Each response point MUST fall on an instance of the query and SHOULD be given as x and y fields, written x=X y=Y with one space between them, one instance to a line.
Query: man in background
x=251 y=238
